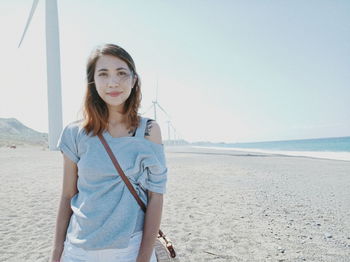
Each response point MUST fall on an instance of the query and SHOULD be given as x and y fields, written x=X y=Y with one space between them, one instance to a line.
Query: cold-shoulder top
x=105 y=213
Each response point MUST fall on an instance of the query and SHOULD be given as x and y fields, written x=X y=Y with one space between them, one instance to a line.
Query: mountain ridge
x=13 y=132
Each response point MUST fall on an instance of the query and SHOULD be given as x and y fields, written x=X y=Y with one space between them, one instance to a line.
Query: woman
x=98 y=218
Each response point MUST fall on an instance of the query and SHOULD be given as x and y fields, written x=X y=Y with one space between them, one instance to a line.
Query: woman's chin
x=114 y=104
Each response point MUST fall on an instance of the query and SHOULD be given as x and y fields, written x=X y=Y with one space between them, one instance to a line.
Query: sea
x=337 y=148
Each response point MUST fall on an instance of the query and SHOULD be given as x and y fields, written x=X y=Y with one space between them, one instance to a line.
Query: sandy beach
x=220 y=205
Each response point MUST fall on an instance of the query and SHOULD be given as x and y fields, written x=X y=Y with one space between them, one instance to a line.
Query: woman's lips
x=114 y=94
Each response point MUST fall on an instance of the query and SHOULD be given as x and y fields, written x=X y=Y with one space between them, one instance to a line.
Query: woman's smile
x=114 y=94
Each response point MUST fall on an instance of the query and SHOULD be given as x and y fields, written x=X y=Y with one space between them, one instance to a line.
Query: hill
x=13 y=132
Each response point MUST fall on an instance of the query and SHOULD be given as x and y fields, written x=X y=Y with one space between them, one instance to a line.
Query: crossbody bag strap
x=121 y=173
x=133 y=191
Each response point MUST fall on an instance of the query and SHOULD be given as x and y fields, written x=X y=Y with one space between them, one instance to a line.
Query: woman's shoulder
x=75 y=127
x=153 y=132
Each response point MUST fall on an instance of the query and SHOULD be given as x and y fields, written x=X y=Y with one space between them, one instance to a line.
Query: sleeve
x=157 y=172
x=67 y=143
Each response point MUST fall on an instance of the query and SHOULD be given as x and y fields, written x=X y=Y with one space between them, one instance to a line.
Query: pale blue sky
x=232 y=71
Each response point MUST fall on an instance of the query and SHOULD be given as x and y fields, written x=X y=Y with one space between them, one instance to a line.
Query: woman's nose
x=113 y=81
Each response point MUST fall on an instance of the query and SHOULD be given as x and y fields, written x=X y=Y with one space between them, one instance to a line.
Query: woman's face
x=113 y=81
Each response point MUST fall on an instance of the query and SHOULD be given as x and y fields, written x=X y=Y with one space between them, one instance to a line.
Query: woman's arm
x=69 y=189
x=151 y=226
x=154 y=207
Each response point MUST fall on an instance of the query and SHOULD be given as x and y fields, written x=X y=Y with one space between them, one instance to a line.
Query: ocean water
x=329 y=148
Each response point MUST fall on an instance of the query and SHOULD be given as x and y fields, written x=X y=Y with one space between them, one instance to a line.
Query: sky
x=227 y=71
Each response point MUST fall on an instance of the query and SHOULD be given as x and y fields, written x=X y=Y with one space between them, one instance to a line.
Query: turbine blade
x=163 y=110
x=157 y=90
x=32 y=11
x=147 y=109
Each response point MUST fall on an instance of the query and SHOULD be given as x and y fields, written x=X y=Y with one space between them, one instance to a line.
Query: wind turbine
x=155 y=104
x=53 y=68
x=176 y=136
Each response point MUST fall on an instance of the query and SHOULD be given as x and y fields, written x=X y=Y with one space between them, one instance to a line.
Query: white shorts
x=129 y=254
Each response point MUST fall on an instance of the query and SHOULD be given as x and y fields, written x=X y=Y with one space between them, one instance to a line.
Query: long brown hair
x=95 y=110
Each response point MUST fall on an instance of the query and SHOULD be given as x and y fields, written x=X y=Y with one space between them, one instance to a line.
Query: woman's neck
x=115 y=117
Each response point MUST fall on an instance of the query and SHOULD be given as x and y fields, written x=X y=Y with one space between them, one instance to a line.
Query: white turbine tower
x=53 y=68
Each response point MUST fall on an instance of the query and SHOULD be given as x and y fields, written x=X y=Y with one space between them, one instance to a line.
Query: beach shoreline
x=330 y=155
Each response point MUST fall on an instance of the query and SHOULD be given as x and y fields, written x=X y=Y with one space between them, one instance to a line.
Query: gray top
x=105 y=213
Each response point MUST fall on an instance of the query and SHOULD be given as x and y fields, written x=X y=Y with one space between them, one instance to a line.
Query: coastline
x=344 y=156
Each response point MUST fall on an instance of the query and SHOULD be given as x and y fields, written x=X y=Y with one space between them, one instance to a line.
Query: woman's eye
x=102 y=74
x=121 y=73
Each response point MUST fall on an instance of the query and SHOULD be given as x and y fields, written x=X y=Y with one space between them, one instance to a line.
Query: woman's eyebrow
x=104 y=69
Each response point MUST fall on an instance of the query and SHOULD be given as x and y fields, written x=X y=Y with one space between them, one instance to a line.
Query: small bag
x=163 y=246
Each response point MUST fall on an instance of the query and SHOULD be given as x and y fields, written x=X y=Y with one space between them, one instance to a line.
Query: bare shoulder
x=153 y=132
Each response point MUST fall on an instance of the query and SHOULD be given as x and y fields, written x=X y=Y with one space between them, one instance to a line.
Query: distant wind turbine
x=53 y=68
x=155 y=104
x=174 y=132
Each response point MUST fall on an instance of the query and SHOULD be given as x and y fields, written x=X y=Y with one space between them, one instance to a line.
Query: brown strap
x=133 y=192
x=124 y=177
x=120 y=171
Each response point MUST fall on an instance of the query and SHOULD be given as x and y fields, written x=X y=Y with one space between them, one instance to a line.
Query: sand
x=219 y=206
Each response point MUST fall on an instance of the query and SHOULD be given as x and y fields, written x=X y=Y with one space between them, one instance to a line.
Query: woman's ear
x=134 y=80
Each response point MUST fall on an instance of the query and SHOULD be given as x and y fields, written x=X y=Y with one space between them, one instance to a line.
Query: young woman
x=98 y=218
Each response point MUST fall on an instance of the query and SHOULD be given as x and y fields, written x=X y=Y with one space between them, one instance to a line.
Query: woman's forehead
x=110 y=62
